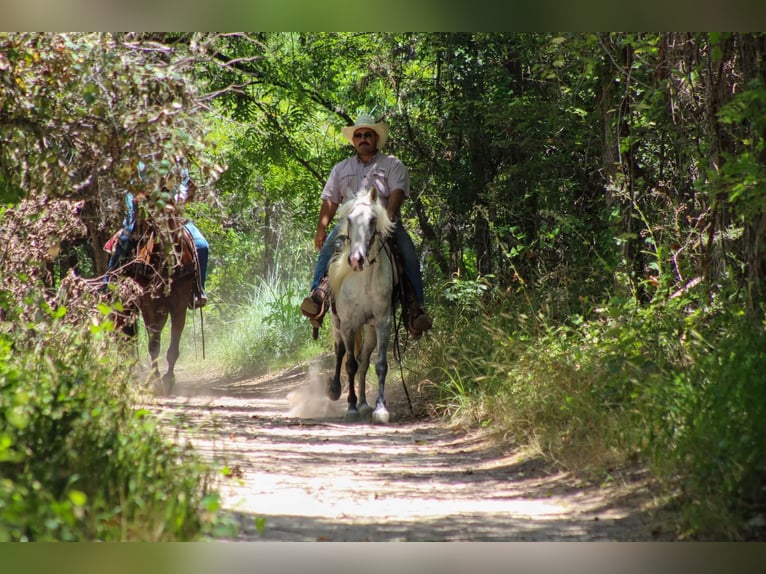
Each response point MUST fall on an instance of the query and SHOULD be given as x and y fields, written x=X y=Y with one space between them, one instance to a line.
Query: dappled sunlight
x=289 y=457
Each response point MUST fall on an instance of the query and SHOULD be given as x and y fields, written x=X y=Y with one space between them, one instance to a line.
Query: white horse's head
x=360 y=220
x=365 y=219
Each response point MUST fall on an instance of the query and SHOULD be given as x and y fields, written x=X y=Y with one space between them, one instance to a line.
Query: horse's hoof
x=164 y=385
x=365 y=410
x=380 y=417
x=333 y=390
x=352 y=416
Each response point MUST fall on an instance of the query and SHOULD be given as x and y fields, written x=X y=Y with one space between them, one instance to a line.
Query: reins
x=198 y=278
x=382 y=240
x=397 y=324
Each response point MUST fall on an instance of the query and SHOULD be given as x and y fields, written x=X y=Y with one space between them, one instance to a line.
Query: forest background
x=590 y=210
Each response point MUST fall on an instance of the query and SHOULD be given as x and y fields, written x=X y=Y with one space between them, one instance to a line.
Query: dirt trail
x=312 y=477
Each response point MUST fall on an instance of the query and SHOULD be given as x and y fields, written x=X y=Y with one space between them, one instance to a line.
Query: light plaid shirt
x=351 y=175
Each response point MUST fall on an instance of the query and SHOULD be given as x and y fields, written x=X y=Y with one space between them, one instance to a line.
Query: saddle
x=152 y=251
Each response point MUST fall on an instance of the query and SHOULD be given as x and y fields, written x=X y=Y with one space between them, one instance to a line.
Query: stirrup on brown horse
x=198 y=301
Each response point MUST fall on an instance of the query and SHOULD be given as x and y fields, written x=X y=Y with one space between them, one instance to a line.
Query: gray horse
x=362 y=280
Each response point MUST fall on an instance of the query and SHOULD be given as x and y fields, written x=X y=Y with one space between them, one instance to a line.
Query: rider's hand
x=319 y=238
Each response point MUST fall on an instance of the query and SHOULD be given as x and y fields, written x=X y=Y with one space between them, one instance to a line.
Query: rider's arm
x=394 y=203
x=326 y=213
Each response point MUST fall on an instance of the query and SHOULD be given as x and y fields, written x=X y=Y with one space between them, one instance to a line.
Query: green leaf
x=78 y=498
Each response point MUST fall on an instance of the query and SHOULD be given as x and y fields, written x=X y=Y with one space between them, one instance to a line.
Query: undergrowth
x=78 y=459
x=676 y=385
x=268 y=333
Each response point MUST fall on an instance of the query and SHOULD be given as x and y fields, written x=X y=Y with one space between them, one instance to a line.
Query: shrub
x=78 y=460
x=676 y=385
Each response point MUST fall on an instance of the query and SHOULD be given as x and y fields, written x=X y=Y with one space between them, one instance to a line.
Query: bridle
x=383 y=246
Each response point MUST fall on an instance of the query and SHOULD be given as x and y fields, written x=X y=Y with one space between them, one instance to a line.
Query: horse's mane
x=339 y=266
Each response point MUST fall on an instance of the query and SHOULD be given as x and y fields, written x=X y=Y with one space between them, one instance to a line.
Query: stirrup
x=419 y=323
x=315 y=305
x=198 y=301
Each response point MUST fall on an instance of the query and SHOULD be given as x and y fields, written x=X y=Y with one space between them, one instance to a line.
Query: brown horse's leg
x=155 y=318
x=177 y=324
x=154 y=332
x=180 y=296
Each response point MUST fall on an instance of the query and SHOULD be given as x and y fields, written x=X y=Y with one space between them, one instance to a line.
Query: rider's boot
x=419 y=322
x=315 y=305
x=416 y=319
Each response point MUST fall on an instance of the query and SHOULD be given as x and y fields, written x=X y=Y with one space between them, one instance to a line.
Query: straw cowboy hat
x=366 y=121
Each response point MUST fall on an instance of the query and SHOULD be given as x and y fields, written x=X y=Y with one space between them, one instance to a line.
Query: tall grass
x=268 y=333
x=676 y=385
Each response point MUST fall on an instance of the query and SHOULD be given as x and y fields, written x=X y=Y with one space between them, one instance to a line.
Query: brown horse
x=163 y=262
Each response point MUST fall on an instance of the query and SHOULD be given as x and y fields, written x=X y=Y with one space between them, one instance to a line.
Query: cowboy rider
x=368 y=167
x=121 y=246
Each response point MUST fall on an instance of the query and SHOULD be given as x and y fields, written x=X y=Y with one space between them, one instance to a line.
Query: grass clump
x=268 y=333
x=675 y=385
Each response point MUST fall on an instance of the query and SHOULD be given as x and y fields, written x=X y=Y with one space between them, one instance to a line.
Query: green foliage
x=675 y=385
x=269 y=333
x=707 y=427
x=743 y=173
x=104 y=101
x=589 y=207
x=78 y=461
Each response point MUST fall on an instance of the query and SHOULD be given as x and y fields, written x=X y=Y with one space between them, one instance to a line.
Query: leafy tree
x=78 y=111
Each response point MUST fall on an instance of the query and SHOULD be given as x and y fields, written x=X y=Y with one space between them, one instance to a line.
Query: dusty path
x=302 y=474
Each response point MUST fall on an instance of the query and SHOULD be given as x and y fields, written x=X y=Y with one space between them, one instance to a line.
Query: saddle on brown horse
x=160 y=248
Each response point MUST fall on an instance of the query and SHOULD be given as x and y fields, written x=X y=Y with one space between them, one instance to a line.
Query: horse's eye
x=373 y=220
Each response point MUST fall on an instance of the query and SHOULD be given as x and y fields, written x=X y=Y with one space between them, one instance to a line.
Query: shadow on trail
x=318 y=478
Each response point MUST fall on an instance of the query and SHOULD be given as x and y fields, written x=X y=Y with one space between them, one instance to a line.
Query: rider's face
x=365 y=140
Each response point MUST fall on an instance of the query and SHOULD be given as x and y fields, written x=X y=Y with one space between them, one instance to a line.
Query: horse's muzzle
x=356 y=261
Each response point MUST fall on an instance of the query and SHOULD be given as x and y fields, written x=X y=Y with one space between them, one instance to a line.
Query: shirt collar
x=372 y=159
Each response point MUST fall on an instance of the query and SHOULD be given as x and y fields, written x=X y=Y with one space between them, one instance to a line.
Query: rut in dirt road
x=308 y=476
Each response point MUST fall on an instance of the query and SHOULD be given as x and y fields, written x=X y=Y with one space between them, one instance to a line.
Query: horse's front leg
x=154 y=320
x=380 y=414
x=153 y=336
x=333 y=387
x=352 y=414
x=364 y=364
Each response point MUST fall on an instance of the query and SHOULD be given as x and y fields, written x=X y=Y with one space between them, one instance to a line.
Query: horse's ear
x=374 y=194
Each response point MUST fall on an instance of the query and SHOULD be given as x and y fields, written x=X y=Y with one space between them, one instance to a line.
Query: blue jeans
x=406 y=252
x=202 y=246
x=120 y=251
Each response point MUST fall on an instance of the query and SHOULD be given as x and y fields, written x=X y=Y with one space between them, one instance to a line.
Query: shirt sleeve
x=399 y=177
x=331 y=189
x=182 y=193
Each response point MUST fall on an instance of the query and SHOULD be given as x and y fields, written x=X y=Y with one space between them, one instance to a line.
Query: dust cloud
x=310 y=401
